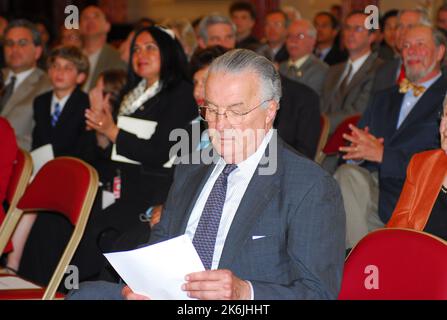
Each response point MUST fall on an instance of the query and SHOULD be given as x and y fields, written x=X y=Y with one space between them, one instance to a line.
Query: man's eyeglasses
x=356 y=29
x=21 y=43
x=210 y=113
x=299 y=36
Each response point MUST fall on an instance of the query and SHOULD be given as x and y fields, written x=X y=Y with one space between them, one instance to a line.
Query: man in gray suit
x=302 y=65
x=23 y=80
x=348 y=85
x=94 y=28
x=266 y=222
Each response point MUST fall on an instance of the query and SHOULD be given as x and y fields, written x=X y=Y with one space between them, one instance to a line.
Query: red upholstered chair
x=396 y=264
x=21 y=173
x=336 y=139
x=324 y=134
x=66 y=186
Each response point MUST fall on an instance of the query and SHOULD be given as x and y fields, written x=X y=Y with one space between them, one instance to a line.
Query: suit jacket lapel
x=432 y=98
x=193 y=187
x=359 y=76
x=69 y=107
x=258 y=194
x=393 y=112
x=24 y=88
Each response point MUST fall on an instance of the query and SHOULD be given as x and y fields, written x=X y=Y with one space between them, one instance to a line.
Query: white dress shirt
x=238 y=182
x=410 y=100
x=61 y=102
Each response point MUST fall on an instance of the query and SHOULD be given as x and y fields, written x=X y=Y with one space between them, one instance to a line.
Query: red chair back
x=396 y=264
x=21 y=172
x=336 y=140
x=61 y=186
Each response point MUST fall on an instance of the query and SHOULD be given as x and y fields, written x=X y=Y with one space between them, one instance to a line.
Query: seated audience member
x=327 y=47
x=302 y=65
x=94 y=28
x=306 y=262
x=23 y=80
x=388 y=27
x=393 y=71
x=275 y=29
x=215 y=30
x=184 y=33
x=423 y=202
x=59 y=114
x=8 y=145
x=400 y=122
x=348 y=85
x=243 y=15
x=124 y=48
x=59 y=121
x=158 y=92
x=70 y=37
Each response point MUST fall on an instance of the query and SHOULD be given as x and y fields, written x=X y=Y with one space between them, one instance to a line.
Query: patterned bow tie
x=406 y=85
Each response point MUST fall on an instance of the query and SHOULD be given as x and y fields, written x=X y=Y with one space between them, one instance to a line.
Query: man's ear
x=38 y=52
x=201 y=42
x=441 y=53
x=81 y=77
x=272 y=109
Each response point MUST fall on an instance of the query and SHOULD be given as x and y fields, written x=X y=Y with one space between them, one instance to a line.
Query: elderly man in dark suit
x=400 y=122
x=348 y=85
x=278 y=225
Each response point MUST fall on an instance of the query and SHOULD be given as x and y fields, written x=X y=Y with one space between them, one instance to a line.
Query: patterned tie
x=205 y=236
x=6 y=93
x=406 y=85
x=56 y=114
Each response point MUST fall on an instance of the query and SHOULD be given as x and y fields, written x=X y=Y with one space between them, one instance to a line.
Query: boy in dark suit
x=59 y=114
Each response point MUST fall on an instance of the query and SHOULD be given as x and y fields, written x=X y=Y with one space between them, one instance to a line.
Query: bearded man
x=399 y=122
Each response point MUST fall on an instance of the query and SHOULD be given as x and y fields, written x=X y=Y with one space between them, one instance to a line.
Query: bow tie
x=405 y=85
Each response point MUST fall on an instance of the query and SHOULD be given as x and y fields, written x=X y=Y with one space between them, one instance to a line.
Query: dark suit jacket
x=298 y=209
x=298 y=119
x=336 y=55
x=172 y=108
x=386 y=75
x=418 y=132
x=64 y=137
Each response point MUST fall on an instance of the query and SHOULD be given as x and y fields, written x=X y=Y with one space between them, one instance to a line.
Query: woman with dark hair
x=158 y=93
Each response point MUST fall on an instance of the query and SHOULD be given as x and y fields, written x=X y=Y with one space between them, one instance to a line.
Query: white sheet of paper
x=107 y=199
x=143 y=129
x=41 y=156
x=8 y=283
x=158 y=271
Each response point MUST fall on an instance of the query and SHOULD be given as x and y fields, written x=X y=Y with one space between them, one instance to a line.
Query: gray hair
x=213 y=19
x=240 y=60
x=311 y=31
x=424 y=17
x=23 y=23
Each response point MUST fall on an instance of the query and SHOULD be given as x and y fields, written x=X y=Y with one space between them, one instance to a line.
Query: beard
x=416 y=75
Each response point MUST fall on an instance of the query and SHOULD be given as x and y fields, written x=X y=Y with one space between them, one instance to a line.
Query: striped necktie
x=56 y=114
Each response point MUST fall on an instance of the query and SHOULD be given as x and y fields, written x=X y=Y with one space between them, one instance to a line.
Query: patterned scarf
x=137 y=97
